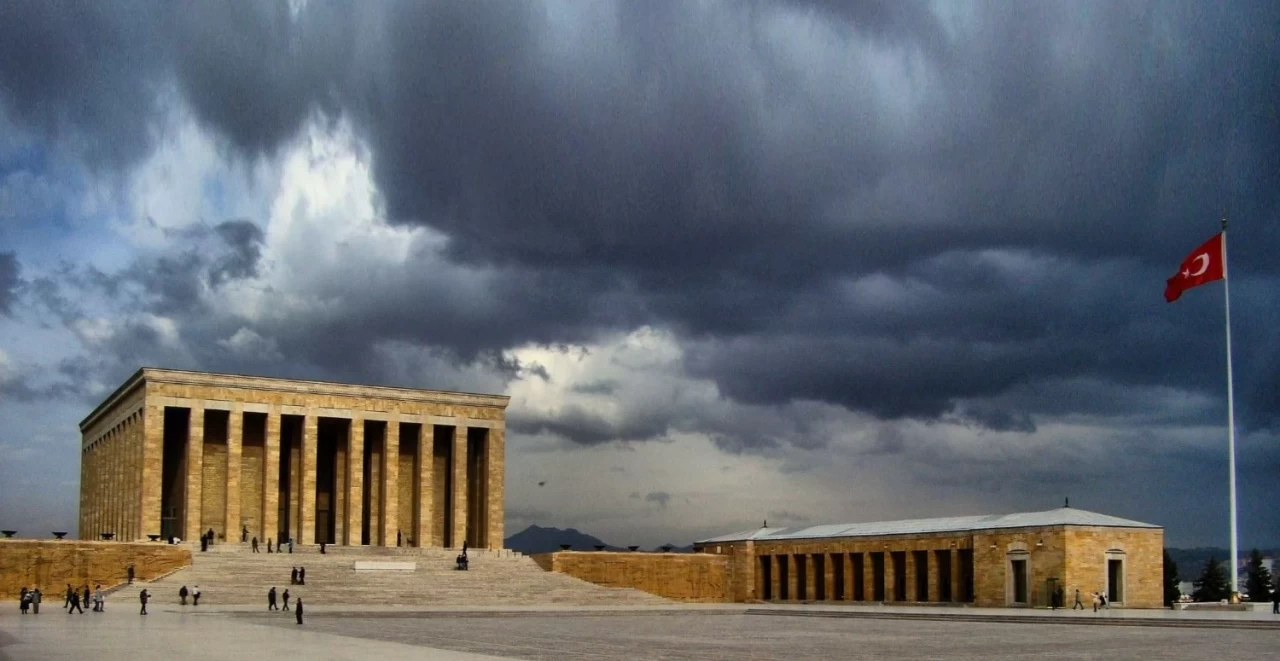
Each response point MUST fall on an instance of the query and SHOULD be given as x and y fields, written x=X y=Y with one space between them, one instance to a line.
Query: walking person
x=75 y=603
x=268 y=545
x=1096 y=601
x=244 y=534
x=1275 y=601
x=211 y=535
x=204 y=543
x=97 y=599
x=254 y=544
x=183 y=594
x=297 y=612
x=302 y=575
x=143 y=597
x=70 y=591
x=1079 y=604
x=286 y=599
x=293 y=576
x=84 y=601
x=24 y=600
x=291 y=545
x=271 y=599
x=36 y=598
x=195 y=596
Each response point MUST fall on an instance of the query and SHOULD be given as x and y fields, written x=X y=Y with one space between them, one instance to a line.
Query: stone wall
x=682 y=576
x=1142 y=554
x=51 y=565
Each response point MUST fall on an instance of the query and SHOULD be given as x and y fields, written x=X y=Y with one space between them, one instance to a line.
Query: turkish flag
x=1204 y=264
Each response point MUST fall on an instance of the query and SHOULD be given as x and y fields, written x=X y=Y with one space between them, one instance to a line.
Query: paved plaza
x=701 y=633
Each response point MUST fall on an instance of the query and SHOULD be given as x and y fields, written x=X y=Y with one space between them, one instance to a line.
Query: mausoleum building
x=174 y=453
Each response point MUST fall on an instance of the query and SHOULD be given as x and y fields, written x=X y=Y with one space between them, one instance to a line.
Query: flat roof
x=1063 y=516
x=227 y=380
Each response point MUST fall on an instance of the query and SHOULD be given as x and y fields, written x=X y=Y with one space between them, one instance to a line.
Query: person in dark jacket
x=293 y=576
x=183 y=595
x=84 y=599
x=75 y=603
x=271 y=599
x=70 y=591
x=286 y=599
x=268 y=545
x=302 y=575
x=254 y=544
x=143 y=597
x=129 y=572
x=297 y=611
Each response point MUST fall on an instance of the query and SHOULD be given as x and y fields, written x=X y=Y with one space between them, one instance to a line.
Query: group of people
x=76 y=600
x=194 y=593
x=298 y=576
x=1057 y=600
x=297 y=604
x=253 y=544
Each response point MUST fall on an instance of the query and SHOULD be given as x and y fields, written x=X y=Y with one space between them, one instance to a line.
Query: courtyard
x=704 y=633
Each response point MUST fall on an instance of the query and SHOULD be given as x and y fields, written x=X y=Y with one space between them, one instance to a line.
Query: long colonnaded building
x=174 y=453
x=999 y=560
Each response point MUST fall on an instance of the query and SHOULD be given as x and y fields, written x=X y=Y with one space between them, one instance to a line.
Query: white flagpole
x=1231 y=423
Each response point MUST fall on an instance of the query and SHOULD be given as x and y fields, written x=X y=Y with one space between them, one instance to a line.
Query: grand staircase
x=229 y=574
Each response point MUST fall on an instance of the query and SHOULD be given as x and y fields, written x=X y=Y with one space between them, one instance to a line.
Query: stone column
x=935 y=571
x=271 y=477
x=355 y=481
x=869 y=576
x=152 y=467
x=425 y=493
x=195 y=473
x=235 y=447
x=113 y=484
x=810 y=577
x=459 y=485
x=955 y=576
x=775 y=585
x=496 y=486
x=829 y=575
x=307 y=493
x=391 y=481
x=793 y=570
x=913 y=570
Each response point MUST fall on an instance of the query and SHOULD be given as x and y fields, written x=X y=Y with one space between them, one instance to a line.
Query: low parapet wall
x=51 y=565
x=681 y=576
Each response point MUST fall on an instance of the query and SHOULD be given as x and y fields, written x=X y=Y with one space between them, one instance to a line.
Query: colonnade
x=110 y=478
x=944 y=575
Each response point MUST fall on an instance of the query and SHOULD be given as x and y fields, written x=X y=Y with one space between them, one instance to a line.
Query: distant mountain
x=1191 y=561
x=535 y=539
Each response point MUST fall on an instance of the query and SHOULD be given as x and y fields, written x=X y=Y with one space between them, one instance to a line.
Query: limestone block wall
x=1044 y=550
x=702 y=577
x=213 y=494
x=251 y=462
x=1143 y=558
x=405 y=479
x=50 y=565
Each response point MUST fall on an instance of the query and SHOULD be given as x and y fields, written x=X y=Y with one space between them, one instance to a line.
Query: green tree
x=1171 y=580
x=1258 y=583
x=1213 y=584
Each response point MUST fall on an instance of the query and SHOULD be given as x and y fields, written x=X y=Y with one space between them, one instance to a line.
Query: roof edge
x=116 y=395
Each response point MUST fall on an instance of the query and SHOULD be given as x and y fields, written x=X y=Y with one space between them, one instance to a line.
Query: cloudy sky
x=804 y=261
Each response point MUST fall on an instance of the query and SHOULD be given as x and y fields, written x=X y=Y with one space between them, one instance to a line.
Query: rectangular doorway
x=943 y=560
x=837 y=582
x=1019 y=570
x=966 y=575
x=859 y=577
x=899 y=559
x=921 y=559
x=766 y=577
x=820 y=576
x=877 y=576
x=1115 y=581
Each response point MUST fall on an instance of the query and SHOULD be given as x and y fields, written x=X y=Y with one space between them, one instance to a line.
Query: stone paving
x=701 y=633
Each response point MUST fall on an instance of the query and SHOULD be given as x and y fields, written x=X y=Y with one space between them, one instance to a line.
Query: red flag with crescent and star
x=1204 y=264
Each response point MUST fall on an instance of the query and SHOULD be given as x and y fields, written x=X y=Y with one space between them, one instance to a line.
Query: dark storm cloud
x=9 y=281
x=587 y=428
x=732 y=171
x=244 y=241
x=660 y=498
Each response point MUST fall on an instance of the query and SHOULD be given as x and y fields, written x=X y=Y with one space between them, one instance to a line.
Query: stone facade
x=177 y=453
x=1006 y=567
x=681 y=576
x=51 y=565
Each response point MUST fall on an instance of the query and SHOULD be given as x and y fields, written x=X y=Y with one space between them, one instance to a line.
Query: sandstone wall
x=1141 y=552
x=681 y=576
x=50 y=564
